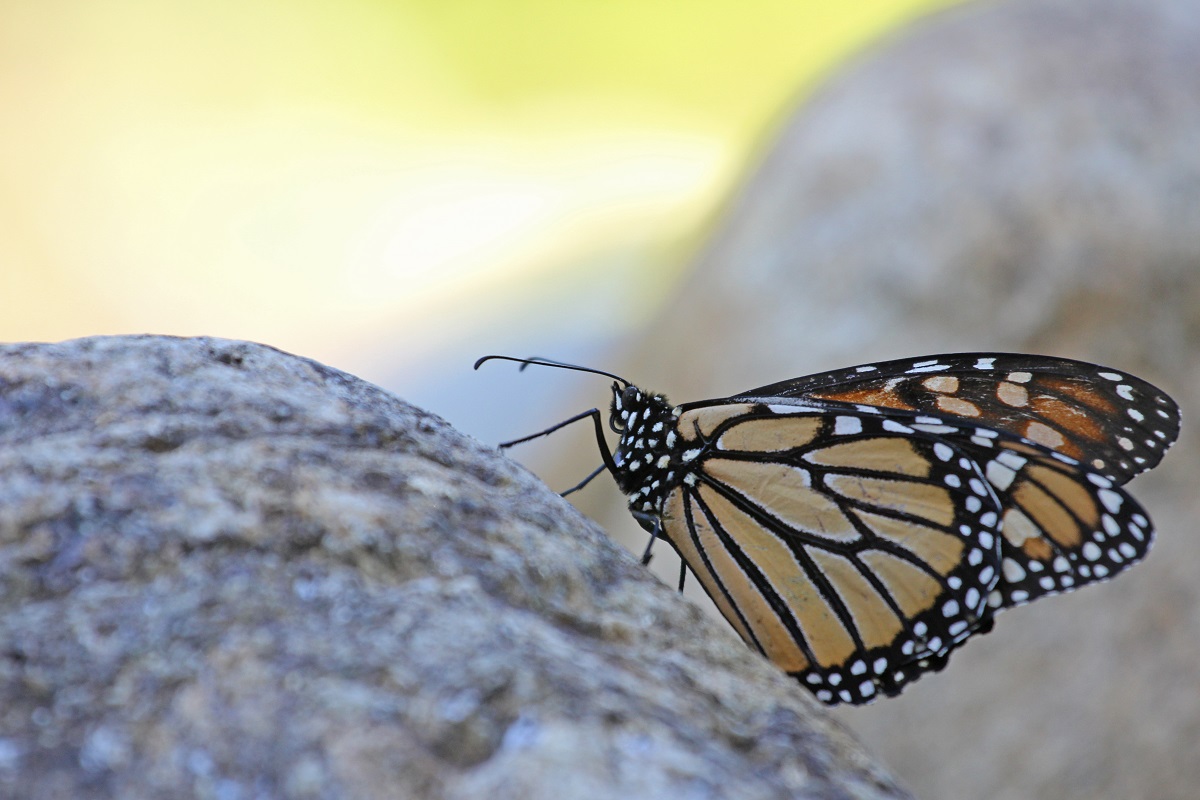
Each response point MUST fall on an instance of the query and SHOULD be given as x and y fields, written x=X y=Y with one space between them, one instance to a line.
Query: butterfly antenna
x=547 y=362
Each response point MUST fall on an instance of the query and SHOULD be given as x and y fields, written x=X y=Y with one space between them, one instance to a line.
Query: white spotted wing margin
x=852 y=549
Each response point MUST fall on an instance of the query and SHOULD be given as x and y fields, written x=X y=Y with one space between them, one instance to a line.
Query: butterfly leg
x=653 y=524
x=605 y=453
x=585 y=481
x=591 y=413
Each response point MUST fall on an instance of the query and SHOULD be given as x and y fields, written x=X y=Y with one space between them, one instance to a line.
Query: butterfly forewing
x=1117 y=424
x=852 y=550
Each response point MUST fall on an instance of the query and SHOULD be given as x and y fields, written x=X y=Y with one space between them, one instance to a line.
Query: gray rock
x=1023 y=176
x=229 y=572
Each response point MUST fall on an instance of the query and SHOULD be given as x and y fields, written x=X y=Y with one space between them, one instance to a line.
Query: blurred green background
x=379 y=184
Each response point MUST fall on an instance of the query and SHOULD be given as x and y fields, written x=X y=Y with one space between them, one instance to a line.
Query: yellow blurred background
x=384 y=186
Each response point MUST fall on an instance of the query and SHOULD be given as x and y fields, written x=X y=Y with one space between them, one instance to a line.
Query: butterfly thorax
x=649 y=455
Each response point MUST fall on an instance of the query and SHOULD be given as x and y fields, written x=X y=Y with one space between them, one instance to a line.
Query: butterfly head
x=646 y=456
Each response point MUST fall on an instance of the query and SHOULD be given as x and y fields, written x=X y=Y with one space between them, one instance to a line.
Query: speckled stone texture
x=1017 y=175
x=228 y=572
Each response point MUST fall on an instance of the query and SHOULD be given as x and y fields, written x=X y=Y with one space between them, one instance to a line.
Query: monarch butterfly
x=857 y=526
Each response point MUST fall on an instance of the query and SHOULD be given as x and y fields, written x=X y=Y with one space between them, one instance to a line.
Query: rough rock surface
x=1025 y=176
x=230 y=572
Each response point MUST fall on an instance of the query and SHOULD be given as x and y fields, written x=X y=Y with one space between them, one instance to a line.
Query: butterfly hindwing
x=1062 y=525
x=854 y=551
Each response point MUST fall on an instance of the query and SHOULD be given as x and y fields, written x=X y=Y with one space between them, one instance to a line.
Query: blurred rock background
x=1009 y=176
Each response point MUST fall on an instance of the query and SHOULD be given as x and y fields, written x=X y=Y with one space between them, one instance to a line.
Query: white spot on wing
x=1013 y=572
x=845 y=426
x=1110 y=499
x=1011 y=459
x=947 y=384
x=780 y=408
x=999 y=475
x=1012 y=394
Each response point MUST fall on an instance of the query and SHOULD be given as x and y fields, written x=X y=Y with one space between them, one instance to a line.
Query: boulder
x=230 y=572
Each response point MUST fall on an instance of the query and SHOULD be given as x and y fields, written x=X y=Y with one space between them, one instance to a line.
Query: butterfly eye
x=628 y=404
x=631 y=398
